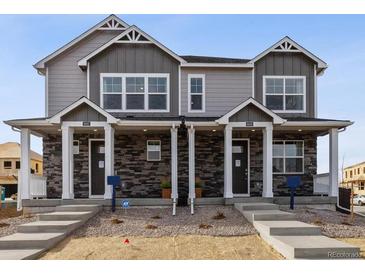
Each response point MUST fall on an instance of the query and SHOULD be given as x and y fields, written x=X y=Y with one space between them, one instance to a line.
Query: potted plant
x=198 y=187
x=166 y=188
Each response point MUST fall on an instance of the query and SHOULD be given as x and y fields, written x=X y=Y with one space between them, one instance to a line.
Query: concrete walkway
x=33 y=239
x=293 y=239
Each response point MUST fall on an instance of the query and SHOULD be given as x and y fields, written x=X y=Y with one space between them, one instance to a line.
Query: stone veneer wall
x=279 y=181
x=141 y=179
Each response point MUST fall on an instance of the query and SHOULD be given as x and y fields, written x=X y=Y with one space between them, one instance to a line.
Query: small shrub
x=165 y=183
x=156 y=217
x=116 y=221
x=205 y=226
x=151 y=227
x=318 y=222
x=4 y=225
x=219 y=216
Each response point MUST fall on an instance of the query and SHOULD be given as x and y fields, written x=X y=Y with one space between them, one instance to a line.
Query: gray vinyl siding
x=66 y=81
x=297 y=64
x=135 y=58
x=251 y=114
x=84 y=113
x=225 y=88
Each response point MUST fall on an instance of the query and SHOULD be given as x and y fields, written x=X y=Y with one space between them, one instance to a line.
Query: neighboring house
x=119 y=102
x=10 y=166
x=355 y=175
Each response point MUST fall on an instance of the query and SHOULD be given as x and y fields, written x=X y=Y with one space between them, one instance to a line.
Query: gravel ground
x=136 y=222
x=333 y=224
x=8 y=226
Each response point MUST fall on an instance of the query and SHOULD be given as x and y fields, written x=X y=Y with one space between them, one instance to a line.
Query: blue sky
x=337 y=39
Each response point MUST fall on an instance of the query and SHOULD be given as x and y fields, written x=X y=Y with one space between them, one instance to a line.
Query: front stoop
x=35 y=238
x=293 y=239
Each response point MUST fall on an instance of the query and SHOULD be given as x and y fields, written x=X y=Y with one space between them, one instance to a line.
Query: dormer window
x=135 y=92
x=284 y=93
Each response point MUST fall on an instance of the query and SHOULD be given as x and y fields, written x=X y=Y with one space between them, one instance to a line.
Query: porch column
x=333 y=162
x=228 y=162
x=174 y=180
x=267 y=162
x=191 y=163
x=67 y=162
x=24 y=186
x=109 y=158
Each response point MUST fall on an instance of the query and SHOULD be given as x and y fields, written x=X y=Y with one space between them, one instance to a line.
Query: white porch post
x=191 y=131
x=109 y=158
x=228 y=162
x=267 y=162
x=333 y=162
x=67 y=162
x=174 y=180
x=24 y=186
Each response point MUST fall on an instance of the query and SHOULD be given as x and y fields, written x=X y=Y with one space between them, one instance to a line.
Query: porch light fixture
x=299 y=130
x=214 y=130
x=95 y=130
x=252 y=130
x=144 y=129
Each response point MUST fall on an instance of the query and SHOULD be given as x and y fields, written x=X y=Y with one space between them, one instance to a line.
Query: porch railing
x=321 y=183
x=38 y=186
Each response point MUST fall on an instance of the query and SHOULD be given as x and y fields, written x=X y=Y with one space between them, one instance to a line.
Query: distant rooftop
x=12 y=150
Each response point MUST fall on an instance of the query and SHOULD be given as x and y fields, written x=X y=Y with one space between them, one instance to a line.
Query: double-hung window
x=112 y=92
x=196 y=92
x=135 y=92
x=285 y=93
x=288 y=157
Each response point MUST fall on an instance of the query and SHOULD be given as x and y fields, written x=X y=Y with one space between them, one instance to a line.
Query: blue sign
x=293 y=181
x=125 y=204
x=114 y=180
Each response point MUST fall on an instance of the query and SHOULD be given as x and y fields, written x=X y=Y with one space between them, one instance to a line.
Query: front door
x=240 y=167
x=97 y=168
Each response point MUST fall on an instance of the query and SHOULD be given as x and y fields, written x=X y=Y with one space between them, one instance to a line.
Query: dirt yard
x=164 y=248
x=360 y=242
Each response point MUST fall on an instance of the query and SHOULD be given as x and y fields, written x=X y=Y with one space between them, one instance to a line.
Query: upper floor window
x=196 y=100
x=288 y=157
x=7 y=164
x=285 y=93
x=135 y=92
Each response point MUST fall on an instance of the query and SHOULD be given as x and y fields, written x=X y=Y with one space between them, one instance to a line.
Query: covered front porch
x=231 y=156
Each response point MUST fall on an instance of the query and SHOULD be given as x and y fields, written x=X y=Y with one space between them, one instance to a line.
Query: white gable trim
x=286 y=45
x=225 y=119
x=83 y=61
x=56 y=119
x=121 y=25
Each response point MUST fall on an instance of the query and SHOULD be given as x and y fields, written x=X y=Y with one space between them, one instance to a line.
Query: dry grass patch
x=318 y=221
x=164 y=248
x=151 y=226
x=359 y=242
x=9 y=212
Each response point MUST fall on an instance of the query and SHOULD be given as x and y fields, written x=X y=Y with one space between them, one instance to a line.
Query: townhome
x=118 y=102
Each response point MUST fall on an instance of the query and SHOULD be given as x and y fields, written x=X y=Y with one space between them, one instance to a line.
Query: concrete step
x=286 y=228
x=78 y=208
x=312 y=247
x=66 y=216
x=268 y=215
x=30 y=240
x=49 y=226
x=20 y=254
x=256 y=206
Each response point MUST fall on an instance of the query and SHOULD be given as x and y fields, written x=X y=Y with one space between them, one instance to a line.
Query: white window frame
x=284 y=77
x=146 y=94
x=284 y=157
x=154 y=160
x=202 y=76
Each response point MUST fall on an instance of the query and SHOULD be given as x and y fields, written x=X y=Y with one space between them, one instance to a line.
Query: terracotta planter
x=166 y=193
x=198 y=192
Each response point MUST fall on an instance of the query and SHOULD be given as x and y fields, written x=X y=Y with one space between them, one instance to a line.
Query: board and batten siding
x=225 y=88
x=289 y=64
x=66 y=81
x=135 y=58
